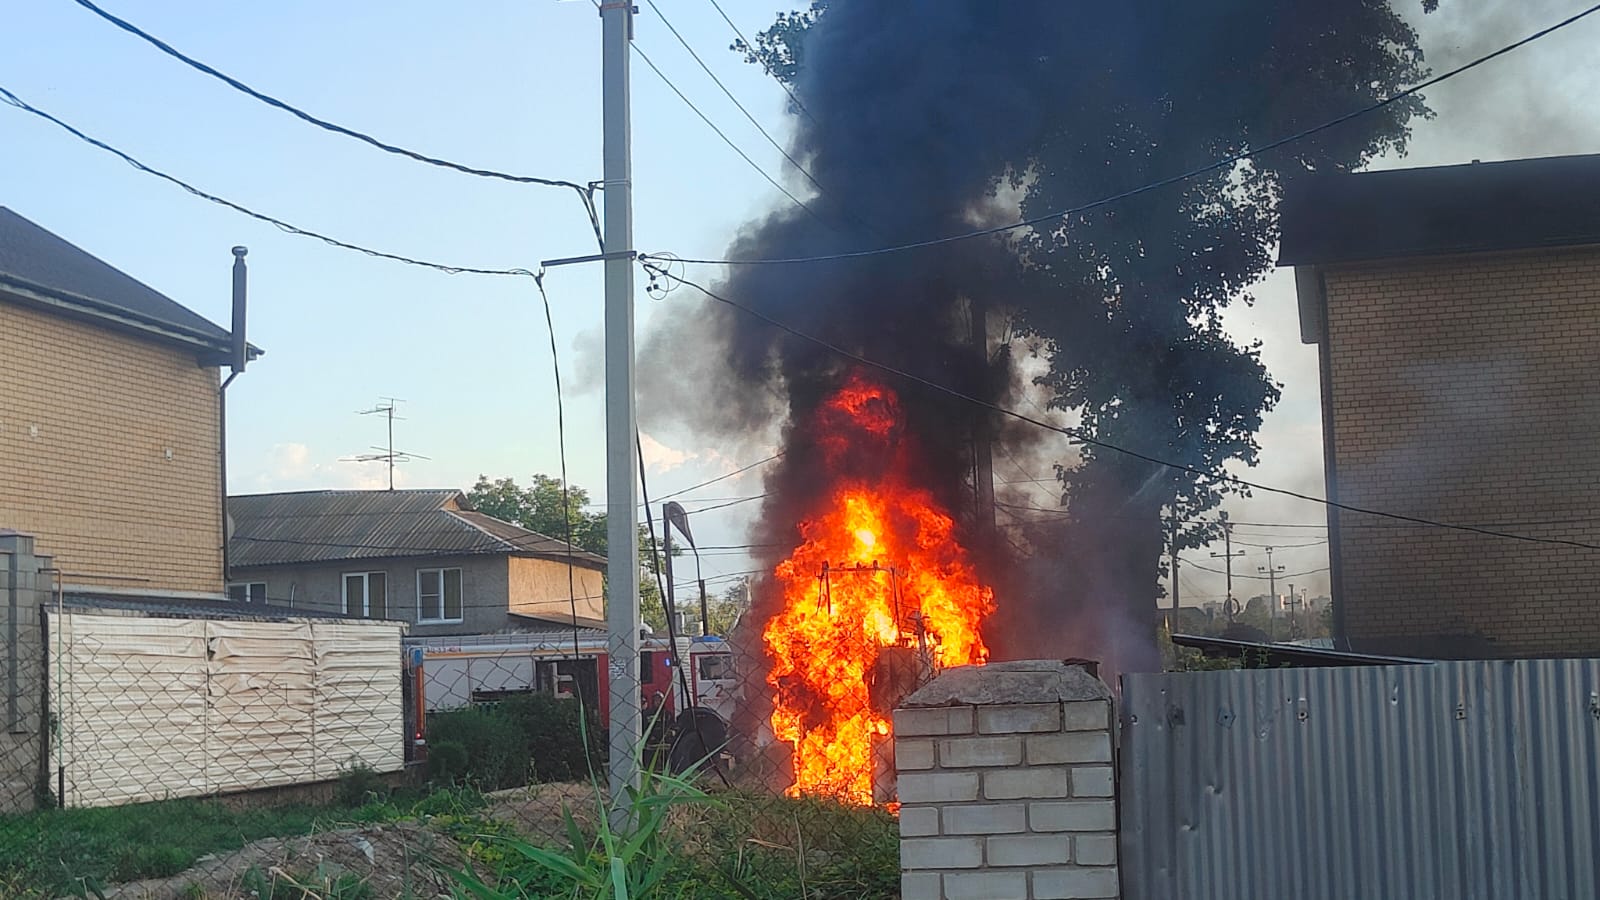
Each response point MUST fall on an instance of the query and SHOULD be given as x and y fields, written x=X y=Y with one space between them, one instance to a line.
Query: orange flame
x=877 y=596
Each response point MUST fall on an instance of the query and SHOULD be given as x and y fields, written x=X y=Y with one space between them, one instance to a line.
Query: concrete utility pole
x=1229 y=606
x=622 y=557
x=1272 y=588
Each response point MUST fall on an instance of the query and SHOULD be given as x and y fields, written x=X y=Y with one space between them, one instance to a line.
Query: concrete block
x=1093 y=781
x=963 y=753
x=988 y=818
x=919 y=821
x=1086 y=715
x=912 y=753
x=1073 y=815
x=1075 y=884
x=1019 y=717
x=941 y=853
x=938 y=787
x=937 y=721
x=1094 y=849
x=1070 y=747
x=986 y=886
x=1025 y=783
x=1028 y=850
x=920 y=886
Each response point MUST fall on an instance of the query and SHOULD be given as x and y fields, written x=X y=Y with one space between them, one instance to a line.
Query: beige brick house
x=1457 y=315
x=110 y=421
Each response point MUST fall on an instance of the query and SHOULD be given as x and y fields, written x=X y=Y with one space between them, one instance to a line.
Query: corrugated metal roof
x=330 y=526
x=1450 y=781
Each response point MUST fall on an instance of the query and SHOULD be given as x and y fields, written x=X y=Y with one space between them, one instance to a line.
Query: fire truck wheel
x=697 y=735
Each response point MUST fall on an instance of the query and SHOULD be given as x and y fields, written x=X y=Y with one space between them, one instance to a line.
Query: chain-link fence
x=151 y=753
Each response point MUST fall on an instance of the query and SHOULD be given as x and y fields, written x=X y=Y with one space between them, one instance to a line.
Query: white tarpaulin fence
x=151 y=708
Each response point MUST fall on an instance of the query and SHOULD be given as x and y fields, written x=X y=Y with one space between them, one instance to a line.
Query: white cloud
x=658 y=457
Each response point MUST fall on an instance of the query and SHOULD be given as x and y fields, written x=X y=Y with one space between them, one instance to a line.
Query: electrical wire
x=324 y=124
x=1222 y=163
x=12 y=99
x=727 y=140
x=708 y=482
x=718 y=81
x=1080 y=436
x=764 y=67
x=1195 y=565
x=561 y=450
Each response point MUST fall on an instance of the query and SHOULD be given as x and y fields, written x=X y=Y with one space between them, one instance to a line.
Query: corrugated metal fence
x=1449 y=781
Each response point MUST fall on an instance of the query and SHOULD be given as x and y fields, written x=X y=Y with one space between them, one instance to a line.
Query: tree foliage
x=1125 y=302
x=539 y=507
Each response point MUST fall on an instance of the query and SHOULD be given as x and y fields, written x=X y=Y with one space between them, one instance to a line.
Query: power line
x=17 y=102
x=727 y=140
x=1257 y=577
x=301 y=114
x=1320 y=543
x=738 y=471
x=1079 y=435
x=1222 y=163
x=707 y=69
x=764 y=67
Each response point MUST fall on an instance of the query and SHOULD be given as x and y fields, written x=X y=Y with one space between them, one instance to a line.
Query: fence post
x=1006 y=785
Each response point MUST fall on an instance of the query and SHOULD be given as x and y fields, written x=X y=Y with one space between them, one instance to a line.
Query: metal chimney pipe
x=241 y=349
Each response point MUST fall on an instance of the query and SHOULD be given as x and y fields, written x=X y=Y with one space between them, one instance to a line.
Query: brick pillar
x=1006 y=785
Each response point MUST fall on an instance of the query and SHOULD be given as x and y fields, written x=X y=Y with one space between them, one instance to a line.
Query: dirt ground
x=399 y=860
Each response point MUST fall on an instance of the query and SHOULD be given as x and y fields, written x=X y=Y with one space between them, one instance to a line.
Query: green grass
x=742 y=847
x=73 y=851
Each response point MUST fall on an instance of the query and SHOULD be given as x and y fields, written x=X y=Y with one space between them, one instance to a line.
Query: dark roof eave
x=120 y=319
x=1389 y=254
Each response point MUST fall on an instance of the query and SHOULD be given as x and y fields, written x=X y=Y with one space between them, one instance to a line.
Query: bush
x=359 y=786
x=495 y=750
x=532 y=737
x=554 y=735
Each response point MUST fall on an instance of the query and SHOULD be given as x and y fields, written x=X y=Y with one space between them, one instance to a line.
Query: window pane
x=258 y=592
x=427 y=594
x=355 y=595
x=377 y=595
x=236 y=592
x=452 y=593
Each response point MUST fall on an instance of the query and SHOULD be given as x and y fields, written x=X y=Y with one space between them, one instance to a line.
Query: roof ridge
x=457 y=514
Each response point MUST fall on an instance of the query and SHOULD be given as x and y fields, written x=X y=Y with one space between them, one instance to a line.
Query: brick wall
x=1466 y=389
x=1003 y=797
x=87 y=418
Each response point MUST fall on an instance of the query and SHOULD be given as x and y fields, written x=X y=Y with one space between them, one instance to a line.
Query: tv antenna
x=389 y=455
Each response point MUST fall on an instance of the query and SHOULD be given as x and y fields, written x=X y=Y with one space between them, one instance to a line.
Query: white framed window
x=438 y=595
x=248 y=592
x=366 y=594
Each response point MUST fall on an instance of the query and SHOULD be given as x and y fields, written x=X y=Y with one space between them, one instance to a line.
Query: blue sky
x=515 y=86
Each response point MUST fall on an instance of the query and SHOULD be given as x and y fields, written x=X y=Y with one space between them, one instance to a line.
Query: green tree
x=538 y=507
x=1126 y=301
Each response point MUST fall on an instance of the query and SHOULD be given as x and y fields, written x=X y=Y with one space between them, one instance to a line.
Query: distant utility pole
x=1293 y=602
x=1272 y=587
x=1229 y=606
x=1174 y=559
x=386 y=406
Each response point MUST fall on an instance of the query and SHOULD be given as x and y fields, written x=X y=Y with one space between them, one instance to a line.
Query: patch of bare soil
x=399 y=860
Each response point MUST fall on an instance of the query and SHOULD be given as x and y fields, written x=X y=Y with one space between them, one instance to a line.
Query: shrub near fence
x=524 y=739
